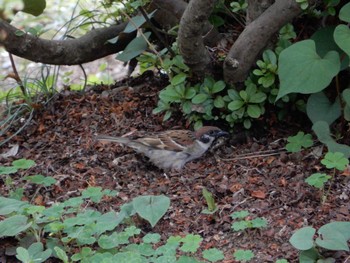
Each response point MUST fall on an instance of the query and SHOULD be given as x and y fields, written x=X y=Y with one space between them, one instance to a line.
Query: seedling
x=259 y=222
x=243 y=255
x=299 y=141
x=335 y=161
x=212 y=207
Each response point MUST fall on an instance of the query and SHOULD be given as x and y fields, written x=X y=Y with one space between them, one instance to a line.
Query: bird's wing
x=173 y=140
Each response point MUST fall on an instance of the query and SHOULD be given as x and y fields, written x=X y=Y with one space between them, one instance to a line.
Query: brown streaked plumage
x=174 y=148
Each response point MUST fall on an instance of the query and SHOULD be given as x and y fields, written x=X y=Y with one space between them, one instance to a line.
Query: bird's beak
x=222 y=134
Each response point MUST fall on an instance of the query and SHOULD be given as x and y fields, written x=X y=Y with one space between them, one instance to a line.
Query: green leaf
x=219 y=102
x=23 y=164
x=178 y=79
x=191 y=243
x=94 y=193
x=319 y=108
x=199 y=98
x=295 y=143
x=240 y=214
x=167 y=115
x=321 y=128
x=151 y=238
x=40 y=179
x=342 y=38
x=335 y=160
x=34 y=7
x=61 y=254
x=259 y=222
x=247 y=123
x=324 y=40
x=187 y=107
x=218 y=86
x=137 y=21
x=240 y=225
x=258 y=97
x=113 y=240
x=243 y=255
x=344 y=13
x=8 y=170
x=254 y=111
x=318 y=180
x=13 y=225
x=332 y=240
x=134 y=48
x=309 y=256
x=233 y=94
x=341 y=227
x=151 y=208
x=302 y=239
x=302 y=70
x=213 y=254
x=235 y=105
x=209 y=199
x=169 y=94
x=190 y=93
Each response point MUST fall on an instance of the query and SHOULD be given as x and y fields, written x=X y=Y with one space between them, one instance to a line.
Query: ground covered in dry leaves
x=268 y=183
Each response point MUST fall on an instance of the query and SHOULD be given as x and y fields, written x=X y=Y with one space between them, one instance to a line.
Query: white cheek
x=205 y=145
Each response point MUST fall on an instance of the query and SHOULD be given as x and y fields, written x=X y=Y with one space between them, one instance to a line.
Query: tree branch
x=255 y=37
x=192 y=29
x=87 y=48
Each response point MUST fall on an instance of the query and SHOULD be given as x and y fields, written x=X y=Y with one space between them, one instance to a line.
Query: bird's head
x=208 y=134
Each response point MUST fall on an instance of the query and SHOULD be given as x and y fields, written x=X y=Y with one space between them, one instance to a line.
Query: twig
x=16 y=76
x=254 y=155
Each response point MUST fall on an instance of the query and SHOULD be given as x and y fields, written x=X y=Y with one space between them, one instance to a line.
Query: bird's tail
x=122 y=140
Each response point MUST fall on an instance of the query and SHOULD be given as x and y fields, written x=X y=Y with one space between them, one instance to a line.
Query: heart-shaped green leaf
x=302 y=239
x=302 y=70
x=151 y=208
x=342 y=38
x=319 y=108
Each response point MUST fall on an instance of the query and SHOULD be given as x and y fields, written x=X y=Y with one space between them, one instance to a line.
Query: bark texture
x=190 y=39
x=87 y=48
x=255 y=37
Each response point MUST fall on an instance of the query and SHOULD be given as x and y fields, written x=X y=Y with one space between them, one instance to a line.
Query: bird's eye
x=211 y=133
x=205 y=138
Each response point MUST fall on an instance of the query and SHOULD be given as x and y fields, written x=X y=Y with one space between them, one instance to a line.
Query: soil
x=250 y=171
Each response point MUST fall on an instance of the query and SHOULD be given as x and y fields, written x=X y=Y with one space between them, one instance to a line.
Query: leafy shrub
x=332 y=236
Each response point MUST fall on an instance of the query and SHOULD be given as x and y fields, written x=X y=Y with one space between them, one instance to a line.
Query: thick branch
x=191 y=33
x=255 y=37
x=87 y=48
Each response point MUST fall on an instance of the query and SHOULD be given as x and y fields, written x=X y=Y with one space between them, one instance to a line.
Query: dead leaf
x=258 y=194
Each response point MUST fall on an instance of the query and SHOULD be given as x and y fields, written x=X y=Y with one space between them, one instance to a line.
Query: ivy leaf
x=342 y=38
x=319 y=108
x=151 y=208
x=302 y=70
x=302 y=239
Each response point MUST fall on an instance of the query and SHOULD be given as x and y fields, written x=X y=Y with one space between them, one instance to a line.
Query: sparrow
x=171 y=149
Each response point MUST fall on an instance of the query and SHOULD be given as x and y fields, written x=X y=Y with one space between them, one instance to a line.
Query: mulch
x=250 y=171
